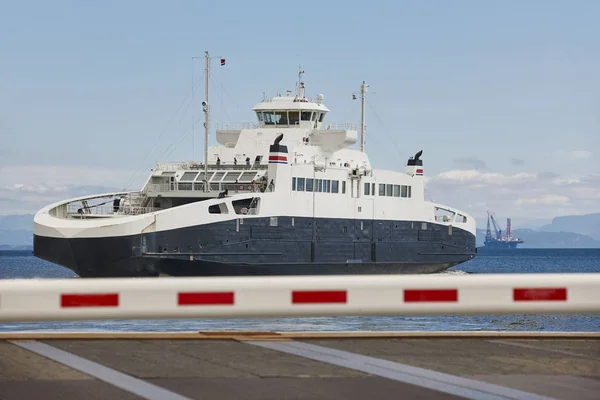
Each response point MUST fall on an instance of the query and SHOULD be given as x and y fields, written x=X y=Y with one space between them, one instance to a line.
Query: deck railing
x=199 y=187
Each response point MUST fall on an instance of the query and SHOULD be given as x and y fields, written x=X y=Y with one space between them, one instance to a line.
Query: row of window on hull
x=292 y=117
x=389 y=190
x=317 y=185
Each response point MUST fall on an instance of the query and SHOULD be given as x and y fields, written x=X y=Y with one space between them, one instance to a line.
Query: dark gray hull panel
x=267 y=246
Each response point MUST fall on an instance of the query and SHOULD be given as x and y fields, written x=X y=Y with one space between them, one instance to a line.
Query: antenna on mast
x=300 y=86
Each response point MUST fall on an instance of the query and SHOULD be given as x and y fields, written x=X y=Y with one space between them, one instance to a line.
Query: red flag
x=222 y=61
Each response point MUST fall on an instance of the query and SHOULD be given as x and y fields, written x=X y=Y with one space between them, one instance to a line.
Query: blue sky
x=502 y=96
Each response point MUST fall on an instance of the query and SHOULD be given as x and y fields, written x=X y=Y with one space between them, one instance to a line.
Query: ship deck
x=268 y=365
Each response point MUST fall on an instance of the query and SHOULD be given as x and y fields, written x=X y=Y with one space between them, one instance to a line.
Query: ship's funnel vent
x=416 y=159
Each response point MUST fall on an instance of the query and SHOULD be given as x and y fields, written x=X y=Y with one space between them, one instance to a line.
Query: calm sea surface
x=22 y=265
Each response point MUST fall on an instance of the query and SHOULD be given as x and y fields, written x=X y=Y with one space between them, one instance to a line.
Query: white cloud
x=59 y=175
x=546 y=199
x=476 y=177
x=26 y=189
x=522 y=196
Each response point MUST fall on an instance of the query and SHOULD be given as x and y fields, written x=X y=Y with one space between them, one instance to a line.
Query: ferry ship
x=285 y=195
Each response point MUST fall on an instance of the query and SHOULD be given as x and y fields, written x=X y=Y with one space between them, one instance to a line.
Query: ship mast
x=206 y=110
x=363 y=127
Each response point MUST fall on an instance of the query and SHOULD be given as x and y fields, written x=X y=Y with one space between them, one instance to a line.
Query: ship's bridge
x=290 y=112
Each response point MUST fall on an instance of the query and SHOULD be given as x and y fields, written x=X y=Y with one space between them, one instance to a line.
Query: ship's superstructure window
x=309 y=184
x=367 y=189
x=404 y=191
x=317 y=185
x=247 y=177
x=389 y=190
x=334 y=186
x=288 y=117
x=231 y=176
x=188 y=176
x=281 y=117
x=269 y=117
x=293 y=117
x=217 y=176
x=220 y=208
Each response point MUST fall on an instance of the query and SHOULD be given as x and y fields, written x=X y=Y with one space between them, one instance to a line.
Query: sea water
x=22 y=265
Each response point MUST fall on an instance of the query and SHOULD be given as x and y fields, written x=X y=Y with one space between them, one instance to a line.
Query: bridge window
x=367 y=188
x=300 y=185
x=373 y=189
x=281 y=117
x=327 y=187
x=321 y=117
x=334 y=186
x=293 y=183
x=269 y=117
x=343 y=187
x=319 y=185
x=382 y=189
x=305 y=115
x=259 y=115
x=293 y=117
x=396 y=190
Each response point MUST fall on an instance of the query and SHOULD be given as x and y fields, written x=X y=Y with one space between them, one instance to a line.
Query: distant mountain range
x=575 y=231
x=588 y=224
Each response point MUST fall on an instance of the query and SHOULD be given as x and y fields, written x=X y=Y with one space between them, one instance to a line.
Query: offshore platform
x=500 y=241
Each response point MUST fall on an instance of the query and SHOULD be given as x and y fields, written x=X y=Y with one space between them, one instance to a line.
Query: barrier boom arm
x=309 y=296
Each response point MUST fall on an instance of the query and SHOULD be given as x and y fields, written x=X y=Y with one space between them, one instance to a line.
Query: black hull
x=298 y=246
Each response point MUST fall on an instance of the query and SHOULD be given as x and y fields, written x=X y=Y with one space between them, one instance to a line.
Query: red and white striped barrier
x=150 y=298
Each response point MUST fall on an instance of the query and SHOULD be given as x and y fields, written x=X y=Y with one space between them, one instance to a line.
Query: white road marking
x=451 y=384
x=108 y=375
